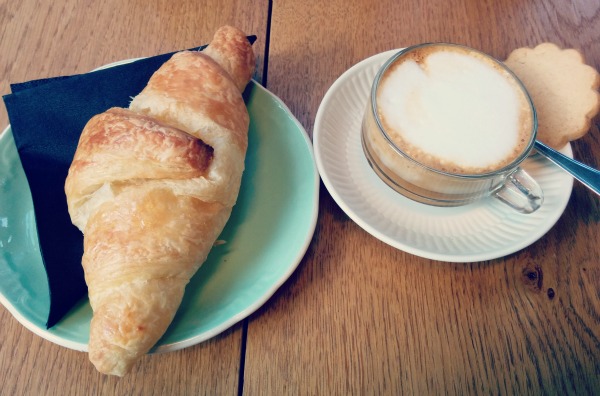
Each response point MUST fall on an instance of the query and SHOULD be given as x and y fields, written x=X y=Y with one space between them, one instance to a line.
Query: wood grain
x=30 y=365
x=359 y=317
x=44 y=39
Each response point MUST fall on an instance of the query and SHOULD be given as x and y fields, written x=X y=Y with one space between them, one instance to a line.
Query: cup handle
x=521 y=192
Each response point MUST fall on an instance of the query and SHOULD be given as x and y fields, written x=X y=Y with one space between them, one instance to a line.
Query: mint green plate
x=266 y=237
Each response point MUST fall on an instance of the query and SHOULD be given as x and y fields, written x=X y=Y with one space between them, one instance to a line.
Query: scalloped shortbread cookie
x=563 y=88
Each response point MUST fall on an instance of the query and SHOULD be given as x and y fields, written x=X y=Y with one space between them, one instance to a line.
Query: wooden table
x=357 y=316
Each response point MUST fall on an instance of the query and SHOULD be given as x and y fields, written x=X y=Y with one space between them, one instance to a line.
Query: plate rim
x=372 y=230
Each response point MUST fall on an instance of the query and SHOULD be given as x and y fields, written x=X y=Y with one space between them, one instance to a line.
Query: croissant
x=151 y=188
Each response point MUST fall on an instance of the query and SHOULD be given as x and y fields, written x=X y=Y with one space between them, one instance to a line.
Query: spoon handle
x=589 y=176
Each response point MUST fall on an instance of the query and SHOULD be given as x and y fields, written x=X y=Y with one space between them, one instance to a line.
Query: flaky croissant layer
x=151 y=187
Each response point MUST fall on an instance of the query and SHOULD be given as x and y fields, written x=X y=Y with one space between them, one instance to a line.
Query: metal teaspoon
x=589 y=176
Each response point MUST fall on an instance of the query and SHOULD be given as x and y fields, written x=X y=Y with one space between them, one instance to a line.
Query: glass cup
x=429 y=185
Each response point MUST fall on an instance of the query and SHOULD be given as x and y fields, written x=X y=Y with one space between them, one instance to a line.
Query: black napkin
x=47 y=117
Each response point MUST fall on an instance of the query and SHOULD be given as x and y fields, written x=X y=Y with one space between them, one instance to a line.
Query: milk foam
x=455 y=108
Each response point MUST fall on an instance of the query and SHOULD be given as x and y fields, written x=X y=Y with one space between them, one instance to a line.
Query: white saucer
x=481 y=231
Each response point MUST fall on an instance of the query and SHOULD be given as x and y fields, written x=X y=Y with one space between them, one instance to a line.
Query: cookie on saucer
x=563 y=88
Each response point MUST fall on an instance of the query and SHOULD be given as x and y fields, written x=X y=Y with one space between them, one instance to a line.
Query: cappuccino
x=454 y=109
x=447 y=125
